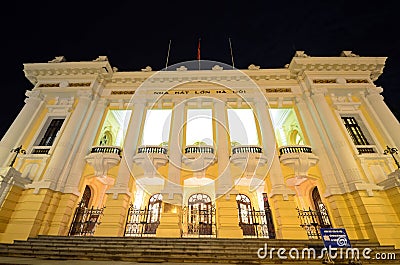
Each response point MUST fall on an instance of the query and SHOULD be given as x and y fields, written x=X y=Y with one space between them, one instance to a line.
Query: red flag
x=198 y=51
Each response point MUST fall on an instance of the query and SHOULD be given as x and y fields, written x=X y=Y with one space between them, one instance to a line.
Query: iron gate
x=254 y=224
x=85 y=220
x=198 y=218
x=141 y=222
x=313 y=220
x=199 y=222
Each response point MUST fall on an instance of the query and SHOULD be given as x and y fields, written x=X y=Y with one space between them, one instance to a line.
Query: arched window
x=154 y=208
x=87 y=194
x=244 y=207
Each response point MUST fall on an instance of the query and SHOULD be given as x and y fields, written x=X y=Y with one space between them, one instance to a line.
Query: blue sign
x=335 y=238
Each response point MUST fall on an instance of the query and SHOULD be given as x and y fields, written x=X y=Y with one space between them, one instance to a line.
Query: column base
x=114 y=216
x=285 y=214
x=170 y=225
x=227 y=218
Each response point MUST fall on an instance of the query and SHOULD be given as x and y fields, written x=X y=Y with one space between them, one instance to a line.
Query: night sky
x=134 y=34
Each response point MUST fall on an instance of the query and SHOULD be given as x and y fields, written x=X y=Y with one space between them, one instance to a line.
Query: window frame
x=364 y=128
x=36 y=139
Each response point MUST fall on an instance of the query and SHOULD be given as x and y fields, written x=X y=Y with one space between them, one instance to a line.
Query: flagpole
x=230 y=46
x=198 y=52
x=169 y=47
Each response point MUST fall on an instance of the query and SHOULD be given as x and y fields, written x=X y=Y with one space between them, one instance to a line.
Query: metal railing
x=258 y=224
x=40 y=150
x=313 y=220
x=106 y=149
x=152 y=150
x=292 y=149
x=199 y=149
x=85 y=220
x=199 y=223
x=139 y=223
x=246 y=149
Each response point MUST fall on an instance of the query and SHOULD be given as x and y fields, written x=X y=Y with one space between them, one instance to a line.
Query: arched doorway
x=85 y=219
x=316 y=217
x=321 y=211
x=254 y=223
x=199 y=216
x=144 y=222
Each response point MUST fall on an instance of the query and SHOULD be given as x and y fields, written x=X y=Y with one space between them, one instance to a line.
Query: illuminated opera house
x=201 y=149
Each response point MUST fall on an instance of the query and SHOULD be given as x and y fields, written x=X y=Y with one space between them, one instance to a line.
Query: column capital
x=85 y=94
x=318 y=91
x=374 y=90
x=36 y=94
x=32 y=96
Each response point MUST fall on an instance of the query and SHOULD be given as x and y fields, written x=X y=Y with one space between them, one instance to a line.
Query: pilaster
x=65 y=144
x=227 y=217
x=129 y=148
x=18 y=128
x=171 y=218
x=285 y=215
x=114 y=216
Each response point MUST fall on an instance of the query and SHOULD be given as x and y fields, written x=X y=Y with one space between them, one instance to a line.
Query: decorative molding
x=278 y=90
x=253 y=67
x=217 y=68
x=50 y=85
x=58 y=59
x=122 y=92
x=102 y=162
x=344 y=103
x=324 y=81
x=147 y=69
x=357 y=81
x=63 y=105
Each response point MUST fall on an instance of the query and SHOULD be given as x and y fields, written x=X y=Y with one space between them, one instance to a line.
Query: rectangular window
x=48 y=134
x=199 y=127
x=354 y=131
x=242 y=127
x=359 y=135
x=156 y=127
x=51 y=132
x=114 y=127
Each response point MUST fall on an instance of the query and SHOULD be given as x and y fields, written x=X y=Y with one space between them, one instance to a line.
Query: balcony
x=102 y=158
x=249 y=158
x=150 y=158
x=199 y=158
x=298 y=157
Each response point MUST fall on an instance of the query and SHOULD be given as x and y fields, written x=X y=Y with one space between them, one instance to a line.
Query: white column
x=71 y=183
x=386 y=116
x=327 y=171
x=338 y=141
x=224 y=182
x=173 y=184
x=24 y=118
x=269 y=148
x=66 y=141
x=129 y=149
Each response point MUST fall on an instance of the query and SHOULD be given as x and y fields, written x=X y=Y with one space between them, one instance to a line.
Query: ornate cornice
x=373 y=65
x=37 y=71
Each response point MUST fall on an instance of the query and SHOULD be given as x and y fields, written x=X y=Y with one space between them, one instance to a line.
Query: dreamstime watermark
x=319 y=254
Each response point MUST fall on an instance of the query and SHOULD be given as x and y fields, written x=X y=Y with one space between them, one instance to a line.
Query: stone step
x=165 y=249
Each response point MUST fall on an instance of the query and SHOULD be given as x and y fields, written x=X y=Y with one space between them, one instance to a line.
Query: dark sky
x=134 y=34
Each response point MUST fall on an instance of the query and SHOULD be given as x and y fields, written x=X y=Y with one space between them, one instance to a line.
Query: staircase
x=179 y=250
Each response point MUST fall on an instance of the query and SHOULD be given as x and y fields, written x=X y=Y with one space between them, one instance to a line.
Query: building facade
x=203 y=150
